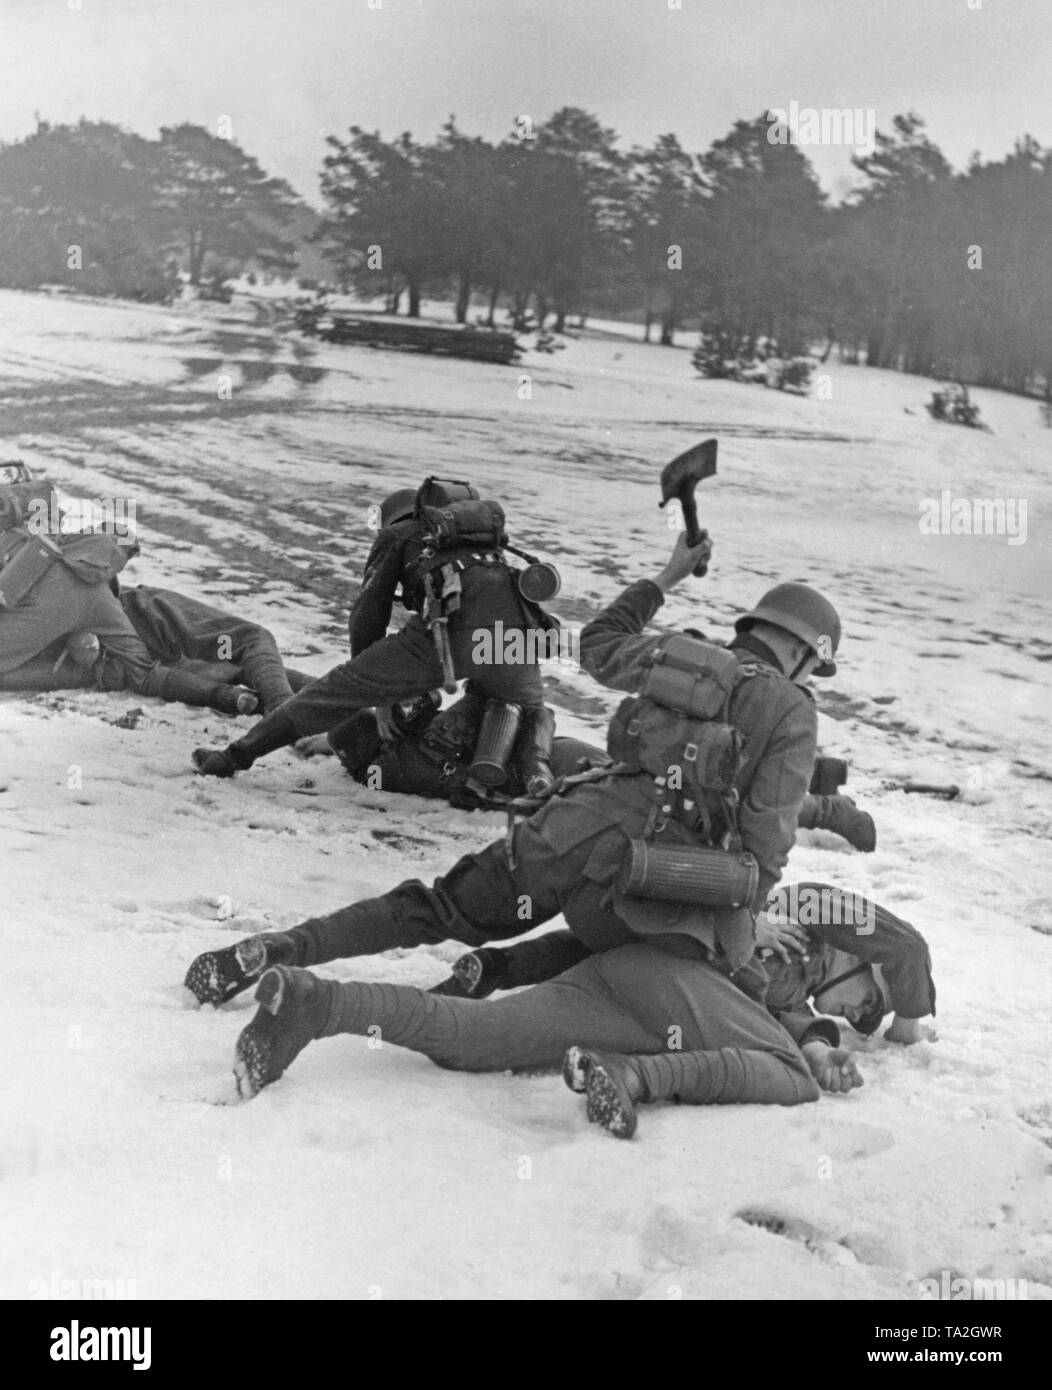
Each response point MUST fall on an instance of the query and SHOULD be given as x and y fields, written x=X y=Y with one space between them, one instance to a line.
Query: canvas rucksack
x=676 y=727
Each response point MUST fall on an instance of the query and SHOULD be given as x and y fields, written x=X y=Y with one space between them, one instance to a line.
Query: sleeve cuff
x=822 y=1029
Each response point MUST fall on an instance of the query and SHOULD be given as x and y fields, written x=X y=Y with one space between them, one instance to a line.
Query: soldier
x=744 y=761
x=613 y=1016
x=443 y=547
x=430 y=753
x=845 y=956
x=817 y=943
x=53 y=585
x=632 y=1026
x=179 y=631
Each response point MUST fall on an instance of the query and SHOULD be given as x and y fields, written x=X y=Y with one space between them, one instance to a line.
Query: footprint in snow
x=796 y=1229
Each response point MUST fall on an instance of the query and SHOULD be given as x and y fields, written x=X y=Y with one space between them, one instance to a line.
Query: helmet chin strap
x=807 y=656
x=838 y=979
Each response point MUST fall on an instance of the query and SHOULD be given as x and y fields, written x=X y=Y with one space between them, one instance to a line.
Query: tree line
x=923 y=267
x=106 y=211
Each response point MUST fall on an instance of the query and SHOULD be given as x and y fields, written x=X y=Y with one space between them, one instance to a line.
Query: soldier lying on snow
x=184 y=634
x=64 y=624
x=658 y=863
x=443 y=753
x=442 y=549
x=824 y=950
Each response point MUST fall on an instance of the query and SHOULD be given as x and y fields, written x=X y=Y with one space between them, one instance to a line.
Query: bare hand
x=781 y=938
x=683 y=560
x=833 y=1068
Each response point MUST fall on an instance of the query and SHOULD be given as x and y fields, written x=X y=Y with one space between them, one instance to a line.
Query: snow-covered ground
x=370 y=1173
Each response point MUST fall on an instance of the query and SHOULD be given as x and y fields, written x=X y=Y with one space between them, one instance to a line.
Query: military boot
x=191 y=688
x=535 y=750
x=476 y=975
x=612 y=1084
x=234 y=699
x=273 y=731
x=217 y=976
x=840 y=815
x=294 y=1008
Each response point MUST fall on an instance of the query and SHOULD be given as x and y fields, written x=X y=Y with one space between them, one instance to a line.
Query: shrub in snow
x=952 y=404
x=731 y=356
x=719 y=355
x=795 y=375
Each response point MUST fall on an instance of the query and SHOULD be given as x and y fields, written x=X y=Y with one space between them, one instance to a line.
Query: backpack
x=676 y=726
x=466 y=523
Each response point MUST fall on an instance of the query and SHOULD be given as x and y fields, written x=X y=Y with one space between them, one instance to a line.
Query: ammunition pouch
x=689 y=874
x=451 y=736
x=24 y=559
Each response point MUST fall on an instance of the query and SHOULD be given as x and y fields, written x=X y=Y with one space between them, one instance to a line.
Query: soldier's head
x=800 y=626
x=850 y=989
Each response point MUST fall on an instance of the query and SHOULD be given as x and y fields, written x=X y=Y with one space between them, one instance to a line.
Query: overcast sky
x=289 y=72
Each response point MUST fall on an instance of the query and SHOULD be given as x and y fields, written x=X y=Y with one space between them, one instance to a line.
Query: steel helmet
x=805 y=613
x=398 y=506
x=871 y=1019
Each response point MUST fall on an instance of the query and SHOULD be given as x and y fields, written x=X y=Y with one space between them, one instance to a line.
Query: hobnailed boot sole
x=280 y=1031
x=608 y=1102
x=475 y=975
x=451 y=988
x=218 y=976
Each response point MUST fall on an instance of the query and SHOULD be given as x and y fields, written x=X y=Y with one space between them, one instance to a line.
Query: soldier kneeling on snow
x=442 y=550
x=659 y=864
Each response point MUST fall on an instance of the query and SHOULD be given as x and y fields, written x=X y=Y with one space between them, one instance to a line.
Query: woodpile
x=482 y=345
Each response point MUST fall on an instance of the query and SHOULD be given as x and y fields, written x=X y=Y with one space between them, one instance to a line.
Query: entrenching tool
x=680 y=478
